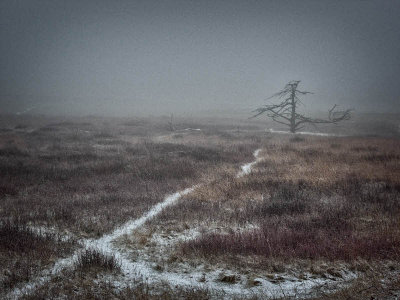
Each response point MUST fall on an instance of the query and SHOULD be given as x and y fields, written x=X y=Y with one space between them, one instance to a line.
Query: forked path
x=131 y=270
x=194 y=278
x=141 y=269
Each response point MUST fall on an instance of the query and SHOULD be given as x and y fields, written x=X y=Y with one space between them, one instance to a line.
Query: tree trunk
x=293 y=115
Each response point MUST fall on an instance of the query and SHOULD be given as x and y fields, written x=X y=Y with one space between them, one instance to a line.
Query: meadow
x=315 y=217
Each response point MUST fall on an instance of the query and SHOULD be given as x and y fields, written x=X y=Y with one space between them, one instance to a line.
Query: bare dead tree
x=286 y=112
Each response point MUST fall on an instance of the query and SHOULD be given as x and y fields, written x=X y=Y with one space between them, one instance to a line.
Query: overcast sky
x=135 y=57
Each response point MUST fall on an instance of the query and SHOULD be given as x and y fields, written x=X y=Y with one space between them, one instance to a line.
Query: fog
x=188 y=57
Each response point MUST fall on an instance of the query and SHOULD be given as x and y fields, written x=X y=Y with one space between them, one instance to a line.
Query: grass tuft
x=95 y=259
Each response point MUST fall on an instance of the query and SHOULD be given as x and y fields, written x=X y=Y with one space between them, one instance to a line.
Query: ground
x=124 y=208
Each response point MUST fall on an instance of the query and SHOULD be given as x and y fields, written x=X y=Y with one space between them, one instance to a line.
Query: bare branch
x=334 y=117
x=303 y=93
x=281 y=122
x=285 y=111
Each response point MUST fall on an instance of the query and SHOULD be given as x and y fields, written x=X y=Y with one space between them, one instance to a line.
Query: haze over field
x=140 y=57
x=199 y=149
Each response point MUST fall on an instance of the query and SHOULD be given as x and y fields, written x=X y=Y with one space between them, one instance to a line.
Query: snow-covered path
x=304 y=133
x=104 y=244
x=246 y=168
x=198 y=278
x=141 y=269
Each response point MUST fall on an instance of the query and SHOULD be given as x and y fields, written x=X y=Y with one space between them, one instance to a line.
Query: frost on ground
x=302 y=133
x=155 y=261
x=246 y=168
x=43 y=230
x=147 y=264
x=103 y=244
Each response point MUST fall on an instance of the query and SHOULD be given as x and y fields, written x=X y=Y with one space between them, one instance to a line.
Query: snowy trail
x=105 y=241
x=304 y=133
x=246 y=168
x=142 y=269
x=104 y=244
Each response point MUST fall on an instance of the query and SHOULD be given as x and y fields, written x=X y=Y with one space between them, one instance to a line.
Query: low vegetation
x=87 y=180
x=312 y=207
x=25 y=251
x=94 y=259
x=82 y=179
x=309 y=202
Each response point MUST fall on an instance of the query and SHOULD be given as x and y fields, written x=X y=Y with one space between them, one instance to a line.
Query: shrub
x=92 y=258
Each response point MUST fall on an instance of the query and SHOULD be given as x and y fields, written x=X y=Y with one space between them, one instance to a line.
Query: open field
x=86 y=210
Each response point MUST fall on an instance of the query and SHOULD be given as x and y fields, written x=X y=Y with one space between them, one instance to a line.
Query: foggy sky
x=138 y=57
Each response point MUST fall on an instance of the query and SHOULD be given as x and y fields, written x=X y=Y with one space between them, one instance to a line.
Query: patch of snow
x=84 y=131
x=149 y=264
x=187 y=129
x=246 y=168
x=192 y=129
x=303 y=133
x=197 y=277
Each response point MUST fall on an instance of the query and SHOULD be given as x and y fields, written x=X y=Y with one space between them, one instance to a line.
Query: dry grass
x=88 y=179
x=333 y=199
x=23 y=252
x=90 y=259
x=75 y=288
x=311 y=199
x=85 y=177
x=375 y=285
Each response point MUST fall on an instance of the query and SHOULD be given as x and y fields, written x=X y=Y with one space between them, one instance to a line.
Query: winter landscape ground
x=125 y=208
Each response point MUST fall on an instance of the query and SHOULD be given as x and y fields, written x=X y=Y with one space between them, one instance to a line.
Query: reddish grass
x=306 y=242
x=310 y=199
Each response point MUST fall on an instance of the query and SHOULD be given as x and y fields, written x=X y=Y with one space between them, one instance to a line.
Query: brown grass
x=24 y=252
x=89 y=180
x=85 y=177
x=311 y=198
x=311 y=201
x=76 y=288
x=90 y=259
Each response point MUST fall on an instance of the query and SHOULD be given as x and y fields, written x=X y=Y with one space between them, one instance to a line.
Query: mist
x=187 y=57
